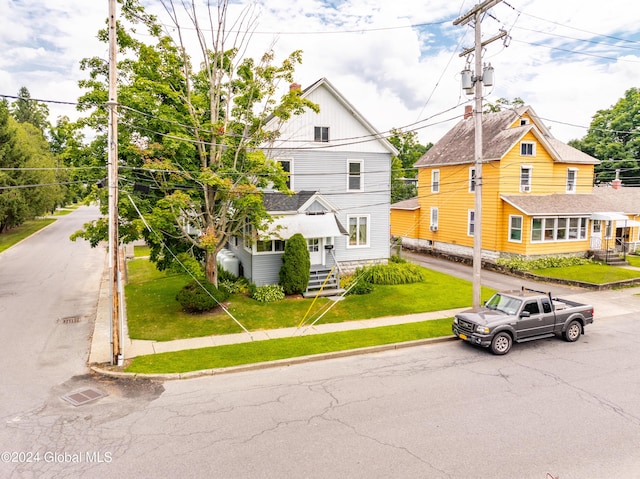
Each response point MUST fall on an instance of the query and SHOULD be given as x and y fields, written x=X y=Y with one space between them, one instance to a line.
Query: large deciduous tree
x=409 y=151
x=191 y=138
x=614 y=138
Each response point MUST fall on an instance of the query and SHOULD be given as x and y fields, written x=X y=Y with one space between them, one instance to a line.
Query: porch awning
x=609 y=216
x=309 y=226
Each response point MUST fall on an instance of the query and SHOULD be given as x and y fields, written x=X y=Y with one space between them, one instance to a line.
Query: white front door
x=315 y=250
x=596 y=234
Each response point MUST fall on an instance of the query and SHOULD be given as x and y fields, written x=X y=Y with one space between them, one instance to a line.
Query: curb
x=271 y=364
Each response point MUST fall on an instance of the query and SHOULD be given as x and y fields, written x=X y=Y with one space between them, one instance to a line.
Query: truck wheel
x=573 y=331
x=501 y=343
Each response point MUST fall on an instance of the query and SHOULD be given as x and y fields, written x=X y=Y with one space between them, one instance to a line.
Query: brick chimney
x=617 y=183
x=295 y=87
x=468 y=112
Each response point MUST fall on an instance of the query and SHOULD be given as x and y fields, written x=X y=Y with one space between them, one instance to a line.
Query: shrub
x=361 y=287
x=392 y=273
x=296 y=265
x=268 y=293
x=197 y=297
x=237 y=286
x=397 y=259
x=519 y=264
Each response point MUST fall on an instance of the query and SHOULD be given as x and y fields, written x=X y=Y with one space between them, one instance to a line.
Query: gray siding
x=326 y=172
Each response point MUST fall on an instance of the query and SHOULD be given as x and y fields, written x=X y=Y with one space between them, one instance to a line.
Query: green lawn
x=154 y=314
x=633 y=260
x=596 y=273
x=9 y=238
x=274 y=349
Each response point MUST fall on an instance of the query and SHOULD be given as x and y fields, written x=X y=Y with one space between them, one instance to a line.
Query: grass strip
x=596 y=273
x=15 y=235
x=274 y=349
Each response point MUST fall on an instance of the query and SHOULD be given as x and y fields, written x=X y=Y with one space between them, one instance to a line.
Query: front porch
x=323 y=281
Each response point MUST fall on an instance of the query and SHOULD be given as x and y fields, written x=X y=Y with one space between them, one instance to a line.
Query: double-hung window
x=354 y=175
x=435 y=181
x=472 y=179
x=572 y=177
x=358 y=231
x=471 y=222
x=287 y=167
x=525 y=178
x=433 y=225
x=515 y=228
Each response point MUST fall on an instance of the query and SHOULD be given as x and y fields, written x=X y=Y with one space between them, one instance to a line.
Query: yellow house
x=537 y=193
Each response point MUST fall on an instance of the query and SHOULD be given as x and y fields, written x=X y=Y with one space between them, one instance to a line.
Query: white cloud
x=392 y=73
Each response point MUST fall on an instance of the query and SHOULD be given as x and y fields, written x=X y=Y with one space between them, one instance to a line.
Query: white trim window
x=433 y=220
x=435 y=181
x=526 y=172
x=269 y=246
x=552 y=228
x=527 y=148
x=321 y=134
x=287 y=167
x=471 y=222
x=515 y=228
x=247 y=236
x=572 y=179
x=359 y=231
x=354 y=175
x=472 y=179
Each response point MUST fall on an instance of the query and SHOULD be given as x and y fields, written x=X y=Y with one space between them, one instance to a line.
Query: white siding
x=346 y=132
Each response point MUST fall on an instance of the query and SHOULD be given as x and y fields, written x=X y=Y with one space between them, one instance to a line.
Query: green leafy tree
x=614 y=139
x=409 y=151
x=192 y=140
x=503 y=104
x=26 y=110
x=296 y=264
x=28 y=183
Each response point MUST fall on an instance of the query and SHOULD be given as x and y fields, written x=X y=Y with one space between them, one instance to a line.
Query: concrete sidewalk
x=606 y=303
x=101 y=341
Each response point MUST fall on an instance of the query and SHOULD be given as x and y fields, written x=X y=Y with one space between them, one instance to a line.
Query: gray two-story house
x=340 y=168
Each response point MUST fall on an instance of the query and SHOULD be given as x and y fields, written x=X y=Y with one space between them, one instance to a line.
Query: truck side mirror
x=525 y=314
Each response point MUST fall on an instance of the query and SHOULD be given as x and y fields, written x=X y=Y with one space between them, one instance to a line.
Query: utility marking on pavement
x=70 y=320
x=84 y=396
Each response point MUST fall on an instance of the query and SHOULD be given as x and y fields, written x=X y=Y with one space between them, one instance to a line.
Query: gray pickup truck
x=521 y=315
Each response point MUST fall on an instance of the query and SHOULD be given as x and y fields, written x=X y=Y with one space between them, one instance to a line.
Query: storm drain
x=83 y=397
x=70 y=320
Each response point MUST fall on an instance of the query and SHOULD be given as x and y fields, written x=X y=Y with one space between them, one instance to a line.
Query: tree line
x=193 y=127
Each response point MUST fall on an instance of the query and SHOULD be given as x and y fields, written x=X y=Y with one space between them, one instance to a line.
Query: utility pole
x=475 y=15
x=112 y=166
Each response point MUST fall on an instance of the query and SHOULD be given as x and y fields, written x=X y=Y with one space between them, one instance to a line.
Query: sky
x=396 y=62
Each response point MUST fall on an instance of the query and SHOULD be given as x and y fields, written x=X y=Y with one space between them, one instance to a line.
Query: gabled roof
x=323 y=82
x=303 y=201
x=457 y=146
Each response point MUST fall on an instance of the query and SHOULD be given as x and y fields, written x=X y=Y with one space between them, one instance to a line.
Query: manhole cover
x=70 y=320
x=83 y=397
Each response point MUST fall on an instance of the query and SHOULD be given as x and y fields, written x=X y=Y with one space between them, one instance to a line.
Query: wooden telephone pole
x=475 y=14
x=112 y=166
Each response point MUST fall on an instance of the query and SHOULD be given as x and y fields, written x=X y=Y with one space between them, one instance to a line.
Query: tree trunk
x=211 y=268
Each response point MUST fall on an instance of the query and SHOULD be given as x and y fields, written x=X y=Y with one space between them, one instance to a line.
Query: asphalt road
x=448 y=410
x=48 y=297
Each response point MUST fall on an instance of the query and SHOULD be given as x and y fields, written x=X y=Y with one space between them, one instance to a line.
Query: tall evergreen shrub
x=294 y=272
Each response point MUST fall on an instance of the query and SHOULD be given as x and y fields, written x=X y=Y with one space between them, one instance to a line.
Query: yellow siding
x=405 y=223
x=454 y=200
